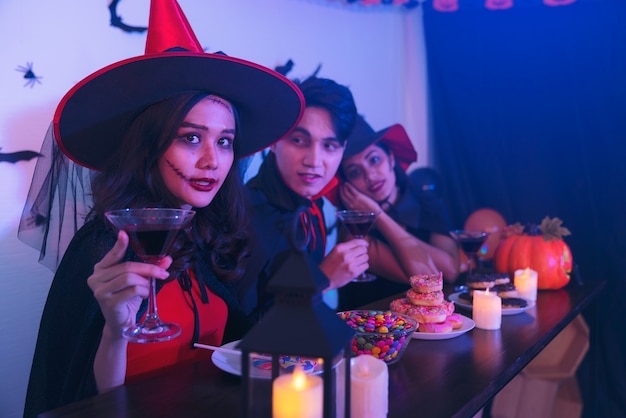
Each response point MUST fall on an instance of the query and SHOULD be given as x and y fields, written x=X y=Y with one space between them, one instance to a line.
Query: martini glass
x=470 y=242
x=151 y=232
x=358 y=222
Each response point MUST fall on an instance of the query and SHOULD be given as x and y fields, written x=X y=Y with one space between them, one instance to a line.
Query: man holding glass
x=298 y=171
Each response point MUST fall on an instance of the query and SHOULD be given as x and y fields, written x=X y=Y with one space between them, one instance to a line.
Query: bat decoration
x=116 y=20
x=284 y=69
x=317 y=70
x=14 y=157
x=29 y=75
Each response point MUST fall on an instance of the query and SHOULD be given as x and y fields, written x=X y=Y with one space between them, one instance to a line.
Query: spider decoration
x=29 y=75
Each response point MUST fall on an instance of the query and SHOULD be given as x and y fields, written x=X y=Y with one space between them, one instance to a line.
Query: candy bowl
x=382 y=334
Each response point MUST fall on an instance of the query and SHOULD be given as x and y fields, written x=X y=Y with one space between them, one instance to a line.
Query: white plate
x=231 y=363
x=466 y=325
x=454 y=297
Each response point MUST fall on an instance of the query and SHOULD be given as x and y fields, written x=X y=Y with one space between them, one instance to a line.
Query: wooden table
x=445 y=378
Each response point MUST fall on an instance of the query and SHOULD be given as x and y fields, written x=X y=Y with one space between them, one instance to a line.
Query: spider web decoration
x=29 y=75
x=116 y=20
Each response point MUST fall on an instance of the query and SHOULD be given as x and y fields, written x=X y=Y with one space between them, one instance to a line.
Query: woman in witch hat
x=164 y=129
x=410 y=235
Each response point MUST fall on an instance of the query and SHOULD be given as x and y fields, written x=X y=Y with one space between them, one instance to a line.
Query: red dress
x=176 y=306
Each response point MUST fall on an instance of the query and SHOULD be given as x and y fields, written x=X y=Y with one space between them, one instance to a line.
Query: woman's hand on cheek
x=120 y=287
x=354 y=199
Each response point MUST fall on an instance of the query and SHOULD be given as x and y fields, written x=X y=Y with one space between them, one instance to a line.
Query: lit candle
x=487 y=310
x=369 y=387
x=526 y=283
x=297 y=395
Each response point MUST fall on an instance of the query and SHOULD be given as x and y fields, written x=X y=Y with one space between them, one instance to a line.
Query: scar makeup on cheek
x=177 y=171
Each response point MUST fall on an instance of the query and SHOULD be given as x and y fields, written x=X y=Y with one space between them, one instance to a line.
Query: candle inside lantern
x=369 y=387
x=487 y=310
x=526 y=283
x=297 y=395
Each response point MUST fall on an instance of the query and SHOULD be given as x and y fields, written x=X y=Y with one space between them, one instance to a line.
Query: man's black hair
x=335 y=98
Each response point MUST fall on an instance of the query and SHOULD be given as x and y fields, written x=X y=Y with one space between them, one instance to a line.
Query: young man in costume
x=297 y=172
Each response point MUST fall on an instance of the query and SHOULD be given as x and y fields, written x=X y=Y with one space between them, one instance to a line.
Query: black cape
x=273 y=209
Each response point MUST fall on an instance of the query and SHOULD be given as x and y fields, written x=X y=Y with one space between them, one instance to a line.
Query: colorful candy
x=382 y=334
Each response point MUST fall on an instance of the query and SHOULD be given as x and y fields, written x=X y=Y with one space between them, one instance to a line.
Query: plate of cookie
x=440 y=331
x=229 y=360
x=510 y=305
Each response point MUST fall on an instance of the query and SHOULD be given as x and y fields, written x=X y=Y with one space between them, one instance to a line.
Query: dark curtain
x=529 y=118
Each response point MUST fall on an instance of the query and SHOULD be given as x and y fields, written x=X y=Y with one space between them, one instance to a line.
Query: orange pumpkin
x=486 y=220
x=545 y=253
x=510 y=233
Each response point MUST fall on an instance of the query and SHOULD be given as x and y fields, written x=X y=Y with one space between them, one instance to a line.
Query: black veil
x=57 y=204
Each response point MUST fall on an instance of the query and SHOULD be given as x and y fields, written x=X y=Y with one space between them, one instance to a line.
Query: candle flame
x=299 y=378
x=486 y=291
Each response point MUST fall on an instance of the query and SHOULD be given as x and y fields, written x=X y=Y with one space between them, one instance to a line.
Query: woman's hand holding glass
x=120 y=288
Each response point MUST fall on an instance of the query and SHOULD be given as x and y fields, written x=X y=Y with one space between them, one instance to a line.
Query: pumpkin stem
x=533 y=230
x=513 y=229
x=551 y=229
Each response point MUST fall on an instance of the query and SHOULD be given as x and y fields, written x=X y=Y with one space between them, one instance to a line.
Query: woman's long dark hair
x=131 y=179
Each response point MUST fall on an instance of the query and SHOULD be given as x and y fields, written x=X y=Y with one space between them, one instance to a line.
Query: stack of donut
x=425 y=303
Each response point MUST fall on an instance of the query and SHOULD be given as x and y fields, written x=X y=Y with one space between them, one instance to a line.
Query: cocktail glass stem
x=363 y=277
x=470 y=263
x=152 y=316
x=152 y=329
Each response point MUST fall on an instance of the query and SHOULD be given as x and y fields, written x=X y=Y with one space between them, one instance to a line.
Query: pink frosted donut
x=426 y=283
x=436 y=327
x=456 y=320
x=400 y=305
x=427 y=314
x=425 y=299
x=448 y=307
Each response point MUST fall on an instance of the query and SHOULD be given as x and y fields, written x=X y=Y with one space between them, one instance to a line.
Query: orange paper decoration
x=558 y=2
x=498 y=4
x=446 y=5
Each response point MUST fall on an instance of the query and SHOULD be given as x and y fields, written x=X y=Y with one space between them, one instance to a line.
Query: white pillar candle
x=526 y=283
x=487 y=310
x=297 y=395
x=369 y=387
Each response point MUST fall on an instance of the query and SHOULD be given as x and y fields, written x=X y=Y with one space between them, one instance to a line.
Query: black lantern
x=299 y=324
